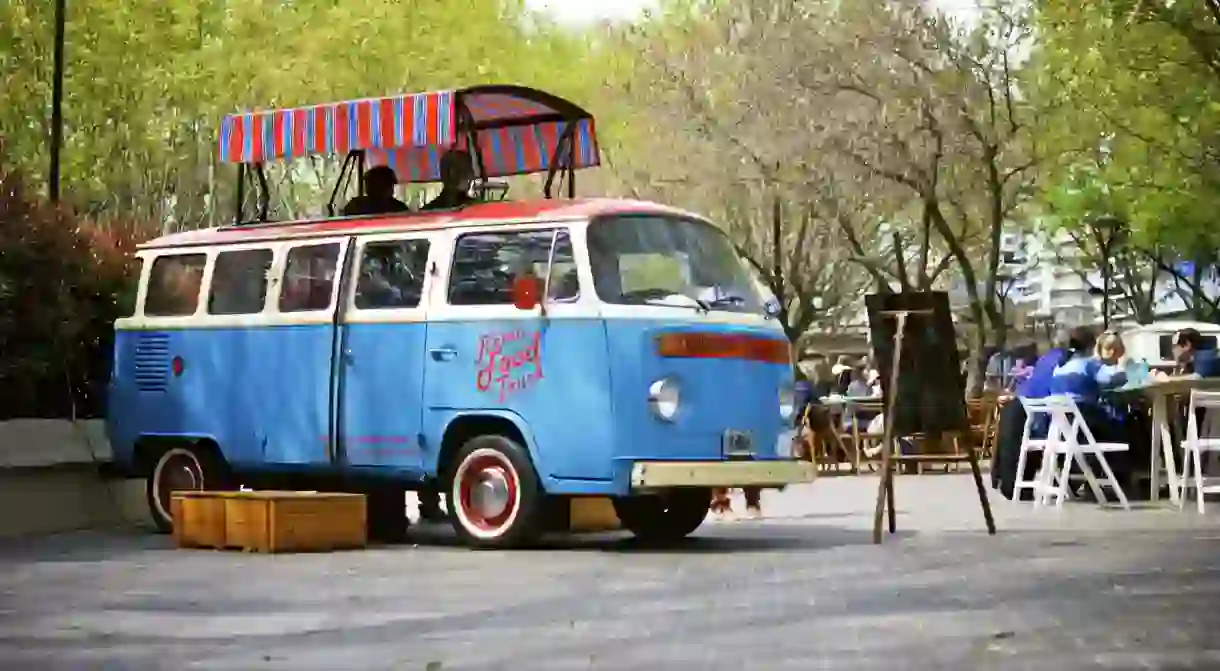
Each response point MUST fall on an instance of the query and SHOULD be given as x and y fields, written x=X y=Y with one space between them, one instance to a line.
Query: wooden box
x=592 y=514
x=271 y=521
x=199 y=519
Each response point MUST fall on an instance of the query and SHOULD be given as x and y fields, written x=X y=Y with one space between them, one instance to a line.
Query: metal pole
x=1105 y=286
x=57 y=102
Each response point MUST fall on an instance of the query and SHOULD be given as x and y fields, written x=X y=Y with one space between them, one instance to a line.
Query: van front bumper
x=769 y=473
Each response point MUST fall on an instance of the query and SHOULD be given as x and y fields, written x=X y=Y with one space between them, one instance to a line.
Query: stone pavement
x=803 y=589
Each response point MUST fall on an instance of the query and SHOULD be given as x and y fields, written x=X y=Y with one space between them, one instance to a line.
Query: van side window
x=126 y=303
x=173 y=285
x=485 y=265
x=239 y=282
x=309 y=277
x=391 y=274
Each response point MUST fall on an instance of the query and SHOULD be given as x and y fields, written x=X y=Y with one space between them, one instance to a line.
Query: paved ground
x=805 y=589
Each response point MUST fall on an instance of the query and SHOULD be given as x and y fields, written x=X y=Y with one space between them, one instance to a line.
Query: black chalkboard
x=931 y=396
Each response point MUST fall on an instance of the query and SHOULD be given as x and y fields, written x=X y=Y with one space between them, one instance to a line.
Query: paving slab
x=1077 y=588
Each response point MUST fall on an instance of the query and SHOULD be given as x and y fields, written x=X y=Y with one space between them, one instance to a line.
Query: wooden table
x=1158 y=394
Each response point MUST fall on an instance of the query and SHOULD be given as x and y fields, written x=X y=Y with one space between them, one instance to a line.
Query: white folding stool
x=1072 y=429
x=1194 y=446
x=1043 y=482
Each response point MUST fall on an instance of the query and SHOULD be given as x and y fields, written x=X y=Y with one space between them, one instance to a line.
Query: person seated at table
x=842 y=374
x=1025 y=357
x=1193 y=356
x=1112 y=353
x=1083 y=377
x=823 y=382
x=1035 y=384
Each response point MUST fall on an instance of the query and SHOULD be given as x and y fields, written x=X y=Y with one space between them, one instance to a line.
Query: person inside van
x=378 y=197
x=457 y=173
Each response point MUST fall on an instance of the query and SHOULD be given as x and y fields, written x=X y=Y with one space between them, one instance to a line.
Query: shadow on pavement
x=752 y=537
x=712 y=539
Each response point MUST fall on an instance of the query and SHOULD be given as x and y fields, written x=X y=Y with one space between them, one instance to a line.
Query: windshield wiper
x=695 y=303
x=726 y=300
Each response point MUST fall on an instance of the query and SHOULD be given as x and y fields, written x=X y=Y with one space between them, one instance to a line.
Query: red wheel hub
x=488 y=492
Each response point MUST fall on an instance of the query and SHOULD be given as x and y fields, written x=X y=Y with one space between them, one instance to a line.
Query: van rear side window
x=173 y=285
x=391 y=274
x=239 y=282
x=309 y=277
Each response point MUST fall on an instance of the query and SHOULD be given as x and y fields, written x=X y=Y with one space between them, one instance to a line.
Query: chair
x=1201 y=402
x=867 y=445
x=1044 y=481
x=1068 y=428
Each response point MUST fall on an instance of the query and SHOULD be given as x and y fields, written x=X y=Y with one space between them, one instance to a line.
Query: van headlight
x=787 y=401
x=664 y=396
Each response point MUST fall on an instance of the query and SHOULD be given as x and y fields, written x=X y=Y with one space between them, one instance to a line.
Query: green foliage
x=1143 y=123
x=63 y=282
x=147 y=83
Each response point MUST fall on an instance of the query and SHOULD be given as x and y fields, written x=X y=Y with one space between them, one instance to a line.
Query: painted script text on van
x=509 y=362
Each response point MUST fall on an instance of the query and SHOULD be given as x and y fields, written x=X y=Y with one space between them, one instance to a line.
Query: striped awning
x=517 y=130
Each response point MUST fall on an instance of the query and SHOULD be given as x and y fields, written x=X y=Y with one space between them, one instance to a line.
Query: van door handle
x=443 y=354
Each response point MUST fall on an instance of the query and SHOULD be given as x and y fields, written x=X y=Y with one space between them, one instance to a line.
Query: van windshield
x=666 y=260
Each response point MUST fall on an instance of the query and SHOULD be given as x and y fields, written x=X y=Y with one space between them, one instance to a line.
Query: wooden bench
x=270 y=521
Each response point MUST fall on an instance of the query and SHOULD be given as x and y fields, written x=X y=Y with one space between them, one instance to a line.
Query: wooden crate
x=199 y=519
x=591 y=514
x=271 y=521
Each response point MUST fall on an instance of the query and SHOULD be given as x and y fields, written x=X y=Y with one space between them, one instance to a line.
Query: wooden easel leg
x=884 y=494
x=886 y=491
x=978 y=484
x=889 y=495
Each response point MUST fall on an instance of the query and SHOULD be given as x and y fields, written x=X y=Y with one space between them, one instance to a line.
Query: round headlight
x=787 y=402
x=664 y=397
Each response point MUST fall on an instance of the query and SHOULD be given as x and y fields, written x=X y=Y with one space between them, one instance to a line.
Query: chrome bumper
x=773 y=473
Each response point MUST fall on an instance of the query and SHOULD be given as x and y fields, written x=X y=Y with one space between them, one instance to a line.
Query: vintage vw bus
x=512 y=354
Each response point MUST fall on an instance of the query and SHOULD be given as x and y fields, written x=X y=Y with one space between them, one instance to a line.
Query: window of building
x=392 y=274
x=239 y=282
x=309 y=277
x=173 y=285
x=485 y=265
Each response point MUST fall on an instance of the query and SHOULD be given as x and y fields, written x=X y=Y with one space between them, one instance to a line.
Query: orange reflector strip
x=723 y=346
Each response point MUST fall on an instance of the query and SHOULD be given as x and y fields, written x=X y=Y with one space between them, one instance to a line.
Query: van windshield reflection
x=672 y=261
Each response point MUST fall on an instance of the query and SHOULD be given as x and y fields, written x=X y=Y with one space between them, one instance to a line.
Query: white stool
x=1075 y=442
x=1195 y=446
x=1042 y=483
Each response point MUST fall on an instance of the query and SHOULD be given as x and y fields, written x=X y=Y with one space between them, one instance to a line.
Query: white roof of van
x=1173 y=326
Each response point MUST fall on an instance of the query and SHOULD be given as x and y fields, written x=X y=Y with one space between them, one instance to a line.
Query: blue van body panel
x=576 y=389
x=716 y=395
x=381 y=396
x=262 y=394
x=551 y=373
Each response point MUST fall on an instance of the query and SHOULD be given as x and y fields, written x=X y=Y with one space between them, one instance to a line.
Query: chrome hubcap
x=489 y=495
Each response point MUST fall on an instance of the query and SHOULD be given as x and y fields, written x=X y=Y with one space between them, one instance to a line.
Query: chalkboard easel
x=885 y=492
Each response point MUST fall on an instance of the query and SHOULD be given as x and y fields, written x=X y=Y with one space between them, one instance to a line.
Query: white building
x=1059 y=286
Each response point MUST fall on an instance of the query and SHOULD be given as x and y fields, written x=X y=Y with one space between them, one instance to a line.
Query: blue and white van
x=512 y=355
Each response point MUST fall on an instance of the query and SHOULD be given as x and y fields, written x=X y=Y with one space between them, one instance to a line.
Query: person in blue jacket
x=1193 y=356
x=1037 y=384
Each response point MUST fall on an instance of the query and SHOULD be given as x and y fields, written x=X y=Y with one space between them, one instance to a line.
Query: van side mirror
x=771 y=308
x=527 y=292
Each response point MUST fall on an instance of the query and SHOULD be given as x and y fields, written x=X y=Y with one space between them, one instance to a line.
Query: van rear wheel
x=184 y=468
x=495 y=499
x=664 y=517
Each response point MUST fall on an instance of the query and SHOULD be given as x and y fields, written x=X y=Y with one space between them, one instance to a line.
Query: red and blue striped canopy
x=517 y=131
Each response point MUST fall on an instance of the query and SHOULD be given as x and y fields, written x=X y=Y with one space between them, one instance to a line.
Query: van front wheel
x=495 y=500
x=665 y=517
